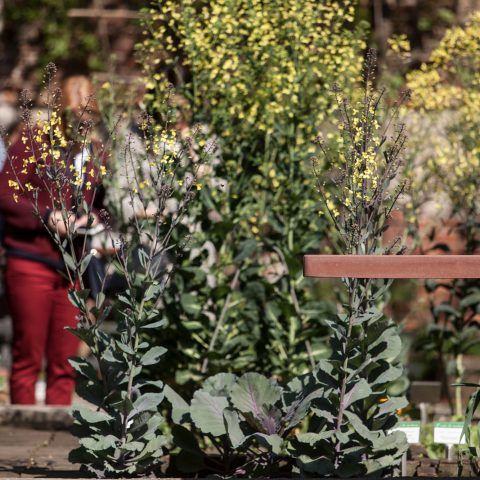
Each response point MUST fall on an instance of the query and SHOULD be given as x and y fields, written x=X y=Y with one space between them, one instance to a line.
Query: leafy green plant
x=122 y=434
x=349 y=434
x=257 y=77
x=125 y=434
x=248 y=420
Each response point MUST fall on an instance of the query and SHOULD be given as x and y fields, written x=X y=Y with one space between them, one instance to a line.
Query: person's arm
x=17 y=207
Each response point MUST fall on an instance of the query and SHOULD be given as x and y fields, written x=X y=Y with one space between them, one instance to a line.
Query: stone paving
x=25 y=452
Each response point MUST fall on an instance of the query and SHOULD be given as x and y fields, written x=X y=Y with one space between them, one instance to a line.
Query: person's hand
x=61 y=223
x=83 y=220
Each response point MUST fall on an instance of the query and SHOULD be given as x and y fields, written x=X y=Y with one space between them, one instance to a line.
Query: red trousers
x=40 y=310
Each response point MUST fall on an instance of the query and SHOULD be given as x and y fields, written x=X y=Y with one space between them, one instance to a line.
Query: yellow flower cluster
x=453 y=73
x=45 y=139
x=450 y=83
x=399 y=45
x=264 y=65
x=359 y=157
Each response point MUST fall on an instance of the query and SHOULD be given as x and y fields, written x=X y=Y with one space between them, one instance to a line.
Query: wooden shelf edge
x=392 y=266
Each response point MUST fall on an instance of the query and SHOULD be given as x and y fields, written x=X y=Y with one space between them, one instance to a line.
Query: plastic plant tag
x=448 y=433
x=410 y=429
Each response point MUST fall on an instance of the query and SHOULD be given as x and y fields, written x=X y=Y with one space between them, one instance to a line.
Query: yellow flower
x=13 y=184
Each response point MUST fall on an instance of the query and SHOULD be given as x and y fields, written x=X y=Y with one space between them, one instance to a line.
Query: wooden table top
x=392 y=266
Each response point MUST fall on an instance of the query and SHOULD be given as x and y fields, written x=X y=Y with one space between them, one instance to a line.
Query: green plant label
x=448 y=433
x=410 y=429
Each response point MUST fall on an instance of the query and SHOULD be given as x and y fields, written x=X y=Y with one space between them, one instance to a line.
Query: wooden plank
x=100 y=13
x=392 y=266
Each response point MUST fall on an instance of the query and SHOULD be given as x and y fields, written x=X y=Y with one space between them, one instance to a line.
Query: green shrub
x=257 y=75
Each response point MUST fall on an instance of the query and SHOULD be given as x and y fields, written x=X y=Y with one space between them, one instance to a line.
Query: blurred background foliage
x=258 y=76
x=446 y=98
x=32 y=32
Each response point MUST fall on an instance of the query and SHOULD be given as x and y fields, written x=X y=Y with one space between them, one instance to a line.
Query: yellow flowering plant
x=359 y=192
x=256 y=75
x=124 y=433
x=352 y=434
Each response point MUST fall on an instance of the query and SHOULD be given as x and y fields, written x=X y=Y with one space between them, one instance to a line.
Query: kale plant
x=120 y=431
x=248 y=420
x=349 y=434
x=124 y=434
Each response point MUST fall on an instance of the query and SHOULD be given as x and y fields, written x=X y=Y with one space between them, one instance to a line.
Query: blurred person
x=36 y=287
x=9 y=121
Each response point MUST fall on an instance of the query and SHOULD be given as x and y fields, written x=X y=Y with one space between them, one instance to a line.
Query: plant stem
x=458 y=391
x=341 y=409
x=219 y=324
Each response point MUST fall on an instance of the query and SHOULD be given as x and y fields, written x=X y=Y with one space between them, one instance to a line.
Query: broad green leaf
x=89 y=415
x=190 y=303
x=387 y=346
x=301 y=406
x=133 y=446
x=253 y=392
x=69 y=262
x=321 y=465
x=219 y=384
x=207 y=413
x=391 y=405
x=470 y=300
x=159 y=323
x=234 y=431
x=312 y=438
x=147 y=402
x=186 y=440
x=180 y=408
x=247 y=249
x=152 y=356
x=472 y=405
x=391 y=374
x=360 y=427
x=85 y=262
x=99 y=442
x=152 y=292
x=273 y=443
x=360 y=390
x=83 y=367
x=446 y=308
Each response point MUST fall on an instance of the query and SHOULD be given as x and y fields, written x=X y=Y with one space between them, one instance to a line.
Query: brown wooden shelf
x=392 y=266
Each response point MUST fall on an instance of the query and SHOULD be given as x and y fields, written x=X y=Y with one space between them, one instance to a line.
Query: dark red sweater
x=24 y=231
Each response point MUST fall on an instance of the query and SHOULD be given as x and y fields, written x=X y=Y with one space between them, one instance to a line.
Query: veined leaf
x=234 y=431
x=360 y=390
x=207 y=413
x=91 y=416
x=253 y=392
